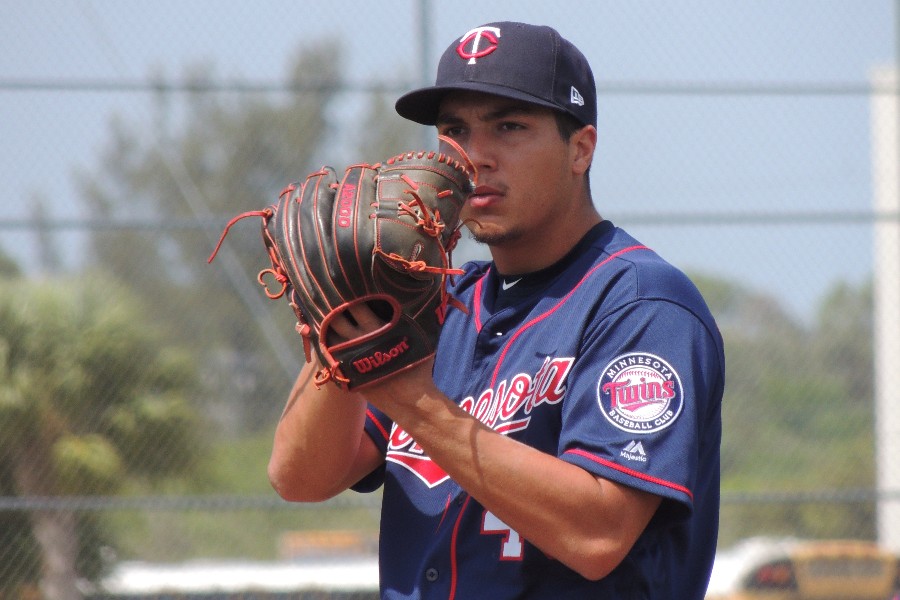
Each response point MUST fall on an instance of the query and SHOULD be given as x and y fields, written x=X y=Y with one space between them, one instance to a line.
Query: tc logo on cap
x=470 y=44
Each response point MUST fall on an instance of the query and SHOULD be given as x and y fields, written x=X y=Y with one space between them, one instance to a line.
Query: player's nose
x=481 y=151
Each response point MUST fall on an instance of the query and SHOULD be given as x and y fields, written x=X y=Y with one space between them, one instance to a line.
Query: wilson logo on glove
x=380 y=240
x=379 y=359
x=345 y=208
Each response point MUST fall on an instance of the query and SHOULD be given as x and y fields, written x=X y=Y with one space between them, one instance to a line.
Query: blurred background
x=752 y=144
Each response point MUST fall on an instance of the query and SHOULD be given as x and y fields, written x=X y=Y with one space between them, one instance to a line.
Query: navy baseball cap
x=532 y=63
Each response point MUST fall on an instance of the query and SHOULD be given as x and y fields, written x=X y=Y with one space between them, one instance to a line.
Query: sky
x=729 y=151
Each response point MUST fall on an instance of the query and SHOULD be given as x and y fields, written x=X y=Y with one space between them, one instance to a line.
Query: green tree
x=845 y=325
x=797 y=413
x=208 y=157
x=88 y=399
x=49 y=259
x=387 y=133
x=8 y=267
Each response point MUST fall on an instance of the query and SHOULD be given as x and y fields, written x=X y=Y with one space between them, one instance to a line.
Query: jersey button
x=431 y=574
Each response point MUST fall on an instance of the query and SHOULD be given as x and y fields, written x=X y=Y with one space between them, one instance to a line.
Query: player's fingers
x=366 y=319
x=352 y=322
x=341 y=329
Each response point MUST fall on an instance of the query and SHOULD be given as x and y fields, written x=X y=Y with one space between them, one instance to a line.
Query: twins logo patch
x=640 y=393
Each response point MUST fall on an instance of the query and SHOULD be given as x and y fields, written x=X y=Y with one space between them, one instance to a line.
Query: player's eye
x=451 y=131
x=511 y=126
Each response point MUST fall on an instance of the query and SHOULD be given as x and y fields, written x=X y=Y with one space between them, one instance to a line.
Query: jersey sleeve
x=642 y=408
x=378 y=427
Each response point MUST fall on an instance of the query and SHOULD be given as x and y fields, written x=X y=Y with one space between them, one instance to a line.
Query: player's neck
x=529 y=255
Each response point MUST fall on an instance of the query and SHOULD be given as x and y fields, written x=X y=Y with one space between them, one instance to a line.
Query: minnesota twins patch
x=640 y=393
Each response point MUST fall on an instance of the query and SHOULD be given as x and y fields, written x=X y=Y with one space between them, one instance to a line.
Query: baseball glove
x=382 y=235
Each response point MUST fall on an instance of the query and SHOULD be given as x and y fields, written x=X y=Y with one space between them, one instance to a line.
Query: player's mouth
x=484 y=196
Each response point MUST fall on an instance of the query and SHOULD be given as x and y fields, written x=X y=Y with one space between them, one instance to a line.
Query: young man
x=565 y=442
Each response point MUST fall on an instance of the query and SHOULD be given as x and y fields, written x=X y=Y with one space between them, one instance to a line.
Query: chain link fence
x=754 y=145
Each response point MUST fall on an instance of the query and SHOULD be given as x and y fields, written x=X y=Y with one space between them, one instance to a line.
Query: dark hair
x=566 y=124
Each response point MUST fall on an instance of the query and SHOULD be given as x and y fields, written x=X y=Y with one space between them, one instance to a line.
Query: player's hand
x=394 y=395
x=354 y=322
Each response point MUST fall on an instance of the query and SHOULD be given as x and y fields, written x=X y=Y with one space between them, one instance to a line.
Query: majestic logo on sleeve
x=640 y=393
x=506 y=408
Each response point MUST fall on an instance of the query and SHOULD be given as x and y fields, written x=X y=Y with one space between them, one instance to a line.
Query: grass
x=251 y=527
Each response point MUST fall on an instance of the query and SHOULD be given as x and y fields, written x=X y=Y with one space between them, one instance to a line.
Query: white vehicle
x=766 y=569
x=355 y=578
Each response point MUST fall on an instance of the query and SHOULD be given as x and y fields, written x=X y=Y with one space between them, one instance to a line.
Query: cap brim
x=422 y=105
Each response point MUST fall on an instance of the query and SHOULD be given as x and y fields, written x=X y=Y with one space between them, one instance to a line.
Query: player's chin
x=491 y=234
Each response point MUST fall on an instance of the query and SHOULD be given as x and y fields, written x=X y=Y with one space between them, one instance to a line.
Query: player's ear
x=582 y=145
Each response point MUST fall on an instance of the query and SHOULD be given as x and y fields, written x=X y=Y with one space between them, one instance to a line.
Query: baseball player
x=564 y=442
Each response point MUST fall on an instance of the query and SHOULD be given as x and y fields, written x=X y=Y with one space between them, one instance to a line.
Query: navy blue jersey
x=609 y=360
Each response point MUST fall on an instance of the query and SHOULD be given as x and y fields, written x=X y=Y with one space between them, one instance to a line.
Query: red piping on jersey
x=453 y=573
x=378 y=425
x=565 y=298
x=638 y=474
x=444 y=514
x=477 y=303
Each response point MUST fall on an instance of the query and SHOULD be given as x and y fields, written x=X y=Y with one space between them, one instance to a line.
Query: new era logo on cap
x=531 y=63
x=575 y=97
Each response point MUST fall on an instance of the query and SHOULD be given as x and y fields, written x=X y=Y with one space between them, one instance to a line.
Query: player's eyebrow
x=447 y=119
x=502 y=112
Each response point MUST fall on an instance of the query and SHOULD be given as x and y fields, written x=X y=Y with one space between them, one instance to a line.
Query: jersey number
x=512 y=547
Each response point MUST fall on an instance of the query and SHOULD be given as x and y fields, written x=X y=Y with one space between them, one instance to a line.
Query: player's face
x=528 y=191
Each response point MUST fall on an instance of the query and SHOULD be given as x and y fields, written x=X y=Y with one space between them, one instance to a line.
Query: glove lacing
x=433 y=225
x=277 y=270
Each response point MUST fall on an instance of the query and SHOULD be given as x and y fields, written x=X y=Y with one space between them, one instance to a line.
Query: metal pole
x=426 y=63
x=886 y=293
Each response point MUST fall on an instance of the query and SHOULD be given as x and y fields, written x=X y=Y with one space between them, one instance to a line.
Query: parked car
x=789 y=569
